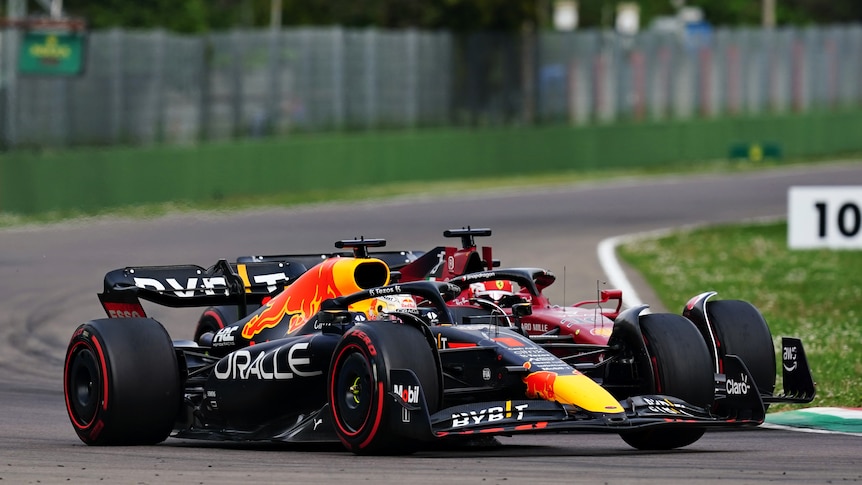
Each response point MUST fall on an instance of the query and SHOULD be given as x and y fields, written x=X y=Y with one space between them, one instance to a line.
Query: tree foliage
x=458 y=15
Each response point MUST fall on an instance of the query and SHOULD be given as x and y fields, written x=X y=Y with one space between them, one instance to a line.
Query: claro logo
x=738 y=387
x=243 y=364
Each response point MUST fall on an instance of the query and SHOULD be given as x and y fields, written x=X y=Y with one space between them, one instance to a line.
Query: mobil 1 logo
x=824 y=217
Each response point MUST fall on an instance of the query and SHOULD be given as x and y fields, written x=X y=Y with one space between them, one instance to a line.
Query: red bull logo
x=277 y=309
x=302 y=300
x=541 y=385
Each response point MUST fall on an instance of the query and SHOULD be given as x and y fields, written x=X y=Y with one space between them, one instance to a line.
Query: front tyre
x=741 y=330
x=121 y=382
x=681 y=368
x=360 y=382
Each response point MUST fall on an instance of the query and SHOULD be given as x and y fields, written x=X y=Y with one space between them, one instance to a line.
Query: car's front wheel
x=681 y=367
x=741 y=330
x=360 y=383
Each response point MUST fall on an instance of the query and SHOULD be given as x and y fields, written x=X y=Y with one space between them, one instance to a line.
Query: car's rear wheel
x=681 y=367
x=121 y=382
x=212 y=320
x=360 y=382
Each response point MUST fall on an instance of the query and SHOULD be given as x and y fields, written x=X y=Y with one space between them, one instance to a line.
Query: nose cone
x=575 y=389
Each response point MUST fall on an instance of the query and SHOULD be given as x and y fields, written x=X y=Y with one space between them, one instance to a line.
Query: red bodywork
x=587 y=322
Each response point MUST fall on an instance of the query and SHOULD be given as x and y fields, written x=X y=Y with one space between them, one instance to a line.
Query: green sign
x=52 y=53
x=755 y=152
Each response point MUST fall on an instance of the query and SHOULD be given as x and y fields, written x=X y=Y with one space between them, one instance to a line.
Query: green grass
x=812 y=294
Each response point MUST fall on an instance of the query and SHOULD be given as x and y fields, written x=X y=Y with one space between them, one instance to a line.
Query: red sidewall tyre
x=121 y=382
x=359 y=384
x=357 y=395
x=212 y=320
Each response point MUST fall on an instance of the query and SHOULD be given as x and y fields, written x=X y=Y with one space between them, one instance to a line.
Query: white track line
x=607 y=250
x=616 y=276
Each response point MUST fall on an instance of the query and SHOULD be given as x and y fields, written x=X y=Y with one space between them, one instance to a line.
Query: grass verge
x=811 y=294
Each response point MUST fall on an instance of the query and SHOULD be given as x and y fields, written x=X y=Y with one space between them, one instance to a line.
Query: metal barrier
x=146 y=87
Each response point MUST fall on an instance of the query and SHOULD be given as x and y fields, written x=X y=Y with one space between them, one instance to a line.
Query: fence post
x=370 y=78
x=117 y=99
x=236 y=74
x=273 y=97
x=206 y=88
x=529 y=65
x=15 y=9
x=159 y=82
x=411 y=78
x=338 y=91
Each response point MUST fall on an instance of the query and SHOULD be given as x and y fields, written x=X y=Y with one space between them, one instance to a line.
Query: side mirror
x=335 y=322
x=522 y=309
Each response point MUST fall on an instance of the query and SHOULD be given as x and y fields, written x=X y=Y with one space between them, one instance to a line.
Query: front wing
x=533 y=416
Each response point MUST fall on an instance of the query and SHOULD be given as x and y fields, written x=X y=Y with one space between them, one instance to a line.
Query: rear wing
x=251 y=280
x=448 y=262
x=194 y=286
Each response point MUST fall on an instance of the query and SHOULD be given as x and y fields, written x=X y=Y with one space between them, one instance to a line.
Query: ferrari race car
x=326 y=360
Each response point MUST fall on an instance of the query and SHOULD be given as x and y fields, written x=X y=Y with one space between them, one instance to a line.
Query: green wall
x=97 y=178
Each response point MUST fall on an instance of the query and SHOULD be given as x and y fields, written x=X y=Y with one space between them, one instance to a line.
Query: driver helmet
x=491 y=290
x=383 y=305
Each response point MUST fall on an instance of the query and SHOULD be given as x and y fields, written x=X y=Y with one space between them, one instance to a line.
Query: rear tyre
x=681 y=368
x=741 y=330
x=212 y=320
x=121 y=382
x=359 y=384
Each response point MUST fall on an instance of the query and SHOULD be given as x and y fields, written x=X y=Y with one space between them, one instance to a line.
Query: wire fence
x=144 y=87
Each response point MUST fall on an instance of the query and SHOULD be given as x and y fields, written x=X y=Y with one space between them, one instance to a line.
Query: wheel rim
x=84 y=390
x=354 y=392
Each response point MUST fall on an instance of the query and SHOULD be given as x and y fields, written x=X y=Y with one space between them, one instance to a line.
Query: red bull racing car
x=578 y=333
x=343 y=354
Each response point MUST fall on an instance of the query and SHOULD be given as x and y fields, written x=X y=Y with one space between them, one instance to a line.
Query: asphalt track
x=49 y=277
